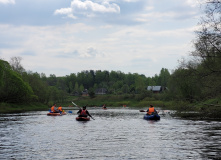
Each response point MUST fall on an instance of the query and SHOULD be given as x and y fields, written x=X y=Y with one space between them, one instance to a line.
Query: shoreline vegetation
x=210 y=109
x=192 y=89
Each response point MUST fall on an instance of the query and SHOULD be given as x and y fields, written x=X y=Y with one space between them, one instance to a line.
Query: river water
x=115 y=134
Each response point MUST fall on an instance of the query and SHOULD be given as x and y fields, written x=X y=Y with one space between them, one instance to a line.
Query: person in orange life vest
x=60 y=109
x=151 y=110
x=53 y=109
x=83 y=112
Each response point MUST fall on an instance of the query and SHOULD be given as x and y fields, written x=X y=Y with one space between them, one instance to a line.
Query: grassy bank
x=115 y=101
x=16 y=108
x=208 y=109
x=201 y=110
x=108 y=100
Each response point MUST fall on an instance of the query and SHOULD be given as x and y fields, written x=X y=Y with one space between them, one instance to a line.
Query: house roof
x=154 y=88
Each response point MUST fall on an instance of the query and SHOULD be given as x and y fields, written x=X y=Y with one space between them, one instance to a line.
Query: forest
x=195 y=82
x=18 y=85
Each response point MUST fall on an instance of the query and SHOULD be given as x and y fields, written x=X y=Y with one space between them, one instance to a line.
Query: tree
x=164 y=77
x=12 y=88
x=125 y=88
x=140 y=84
x=183 y=85
x=206 y=57
x=91 y=92
x=76 y=88
x=15 y=63
x=70 y=87
x=52 y=80
x=81 y=88
x=54 y=94
x=39 y=86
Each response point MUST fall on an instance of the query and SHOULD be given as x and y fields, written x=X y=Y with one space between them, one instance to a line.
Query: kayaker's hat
x=151 y=105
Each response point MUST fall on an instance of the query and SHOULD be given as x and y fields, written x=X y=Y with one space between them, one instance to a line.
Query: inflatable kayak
x=151 y=117
x=56 y=114
x=82 y=118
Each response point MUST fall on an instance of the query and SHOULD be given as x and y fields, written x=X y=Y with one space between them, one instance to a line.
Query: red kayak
x=56 y=114
x=83 y=118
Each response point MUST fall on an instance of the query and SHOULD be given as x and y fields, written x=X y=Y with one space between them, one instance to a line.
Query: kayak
x=83 y=118
x=56 y=114
x=151 y=117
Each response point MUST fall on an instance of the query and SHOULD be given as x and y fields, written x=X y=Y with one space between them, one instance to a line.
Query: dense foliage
x=12 y=88
x=197 y=79
x=40 y=88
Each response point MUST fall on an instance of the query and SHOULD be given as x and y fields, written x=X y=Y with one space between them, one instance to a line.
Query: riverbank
x=16 y=108
x=118 y=101
x=210 y=109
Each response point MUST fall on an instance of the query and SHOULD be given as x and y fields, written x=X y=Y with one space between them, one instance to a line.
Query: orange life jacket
x=52 y=109
x=60 y=109
x=151 y=110
x=83 y=112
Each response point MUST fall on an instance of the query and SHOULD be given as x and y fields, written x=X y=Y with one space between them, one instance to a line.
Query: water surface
x=118 y=133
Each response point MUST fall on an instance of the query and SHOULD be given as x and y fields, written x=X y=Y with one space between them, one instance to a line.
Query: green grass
x=208 y=108
x=15 y=108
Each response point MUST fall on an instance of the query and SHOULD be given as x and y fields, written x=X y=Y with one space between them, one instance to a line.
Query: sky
x=61 y=37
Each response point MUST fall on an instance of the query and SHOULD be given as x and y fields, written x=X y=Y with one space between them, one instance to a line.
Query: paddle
x=92 y=117
x=145 y=111
x=76 y=105
x=80 y=108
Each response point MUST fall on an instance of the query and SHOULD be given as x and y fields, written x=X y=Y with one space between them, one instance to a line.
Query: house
x=101 y=91
x=85 y=92
x=156 y=89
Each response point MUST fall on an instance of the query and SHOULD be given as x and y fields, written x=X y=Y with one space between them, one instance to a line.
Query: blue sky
x=68 y=36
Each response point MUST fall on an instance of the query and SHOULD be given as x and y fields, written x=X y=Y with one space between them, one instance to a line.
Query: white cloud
x=88 y=8
x=138 y=36
x=130 y=0
x=193 y=3
x=7 y=1
x=64 y=11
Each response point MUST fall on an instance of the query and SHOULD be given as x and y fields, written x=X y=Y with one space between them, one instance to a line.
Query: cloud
x=7 y=1
x=88 y=8
x=137 y=36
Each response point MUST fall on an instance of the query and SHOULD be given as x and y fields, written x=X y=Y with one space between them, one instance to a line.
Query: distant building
x=85 y=92
x=156 y=89
x=101 y=91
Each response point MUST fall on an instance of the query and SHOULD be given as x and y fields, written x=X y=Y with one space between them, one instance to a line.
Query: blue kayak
x=151 y=117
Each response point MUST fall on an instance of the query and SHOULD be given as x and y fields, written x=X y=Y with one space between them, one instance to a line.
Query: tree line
x=19 y=85
x=195 y=79
x=199 y=77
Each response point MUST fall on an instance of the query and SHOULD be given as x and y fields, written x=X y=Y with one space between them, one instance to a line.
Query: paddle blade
x=74 y=103
x=142 y=111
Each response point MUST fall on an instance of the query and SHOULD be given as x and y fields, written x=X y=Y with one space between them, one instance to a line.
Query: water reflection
x=114 y=134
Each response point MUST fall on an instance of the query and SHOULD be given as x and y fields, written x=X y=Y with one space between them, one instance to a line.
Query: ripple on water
x=115 y=134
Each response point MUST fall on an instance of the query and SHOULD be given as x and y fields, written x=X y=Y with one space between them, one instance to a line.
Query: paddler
x=83 y=112
x=60 y=109
x=104 y=106
x=151 y=110
x=53 y=109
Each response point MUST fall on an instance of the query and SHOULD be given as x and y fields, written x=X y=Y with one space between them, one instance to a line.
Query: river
x=115 y=134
